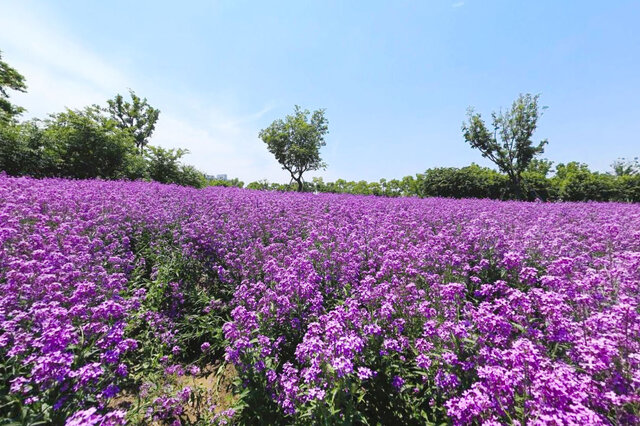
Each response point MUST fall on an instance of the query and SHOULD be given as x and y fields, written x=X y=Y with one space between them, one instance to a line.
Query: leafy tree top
x=509 y=144
x=137 y=117
x=296 y=141
x=10 y=79
x=624 y=167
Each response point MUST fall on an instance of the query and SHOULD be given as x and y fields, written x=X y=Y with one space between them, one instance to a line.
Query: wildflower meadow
x=134 y=302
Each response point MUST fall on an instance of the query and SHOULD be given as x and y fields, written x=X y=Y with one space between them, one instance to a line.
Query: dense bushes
x=570 y=182
x=468 y=182
x=408 y=186
x=86 y=144
x=164 y=166
x=25 y=151
x=227 y=183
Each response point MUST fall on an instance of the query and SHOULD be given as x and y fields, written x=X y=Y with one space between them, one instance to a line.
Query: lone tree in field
x=137 y=117
x=509 y=145
x=296 y=142
x=9 y=79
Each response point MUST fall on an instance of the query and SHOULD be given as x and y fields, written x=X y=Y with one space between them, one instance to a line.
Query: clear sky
x=395 y=77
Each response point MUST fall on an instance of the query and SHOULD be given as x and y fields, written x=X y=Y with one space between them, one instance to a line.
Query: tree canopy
x=624 y=167
x=90 y=145
x=509 y=144
x=296 y=142
x=137 y=117
x=10 y=79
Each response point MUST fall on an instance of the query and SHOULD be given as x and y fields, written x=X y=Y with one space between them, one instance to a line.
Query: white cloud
x=457 y=4
x=221 y=144
x=63 y=72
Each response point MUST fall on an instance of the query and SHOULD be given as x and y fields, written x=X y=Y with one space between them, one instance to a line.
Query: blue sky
x=395 y=77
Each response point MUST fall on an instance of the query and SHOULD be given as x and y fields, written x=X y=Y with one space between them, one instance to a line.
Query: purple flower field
x=331 y=308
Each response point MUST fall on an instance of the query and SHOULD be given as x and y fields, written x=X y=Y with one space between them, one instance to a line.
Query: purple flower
x=365 y=373
x=423 y=361
x=185 y=393
x=111 y=391
x=490 y=303
x=84 y=418
x=30 y=400
x=397 y=382
x=122 y=370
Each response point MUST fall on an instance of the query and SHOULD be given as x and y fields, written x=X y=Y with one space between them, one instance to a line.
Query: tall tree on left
x=9 y=79
x=137 y=117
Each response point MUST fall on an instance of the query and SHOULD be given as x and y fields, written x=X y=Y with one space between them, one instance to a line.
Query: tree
x=190 y=176
x=9 y=79
x=164 y=166
x=624 y=167
x=535 y=184
x=575 y=182
x=540 y=166
x=88 y=145
x=509 y=146
x=296 y=142
x=137 y=117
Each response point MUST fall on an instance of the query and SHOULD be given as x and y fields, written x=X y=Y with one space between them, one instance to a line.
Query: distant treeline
x=568 y=182
x=87 y=144
x=112 y=142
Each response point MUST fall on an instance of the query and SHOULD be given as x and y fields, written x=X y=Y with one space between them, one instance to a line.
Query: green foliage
x=25 y=150
x=261 y=185
x=393 y=188
x=536 y=186
x=539 y=166
x=468 y=182
x=136 y=117
x=575 y=182
x=190 y=176
x=86 y=144
x=509 y=145
x=535 y=183
x=12 y=80
x=571 y=182
x=89 y=145
x=411 y=185
x=408 y=186
x=624 y=167
x=296 y=142
x=229 y=183
x=628 y=188
x=164 y=166
x=265 y=185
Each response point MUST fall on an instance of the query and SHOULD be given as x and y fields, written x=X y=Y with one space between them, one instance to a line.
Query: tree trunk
x=517 y=183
